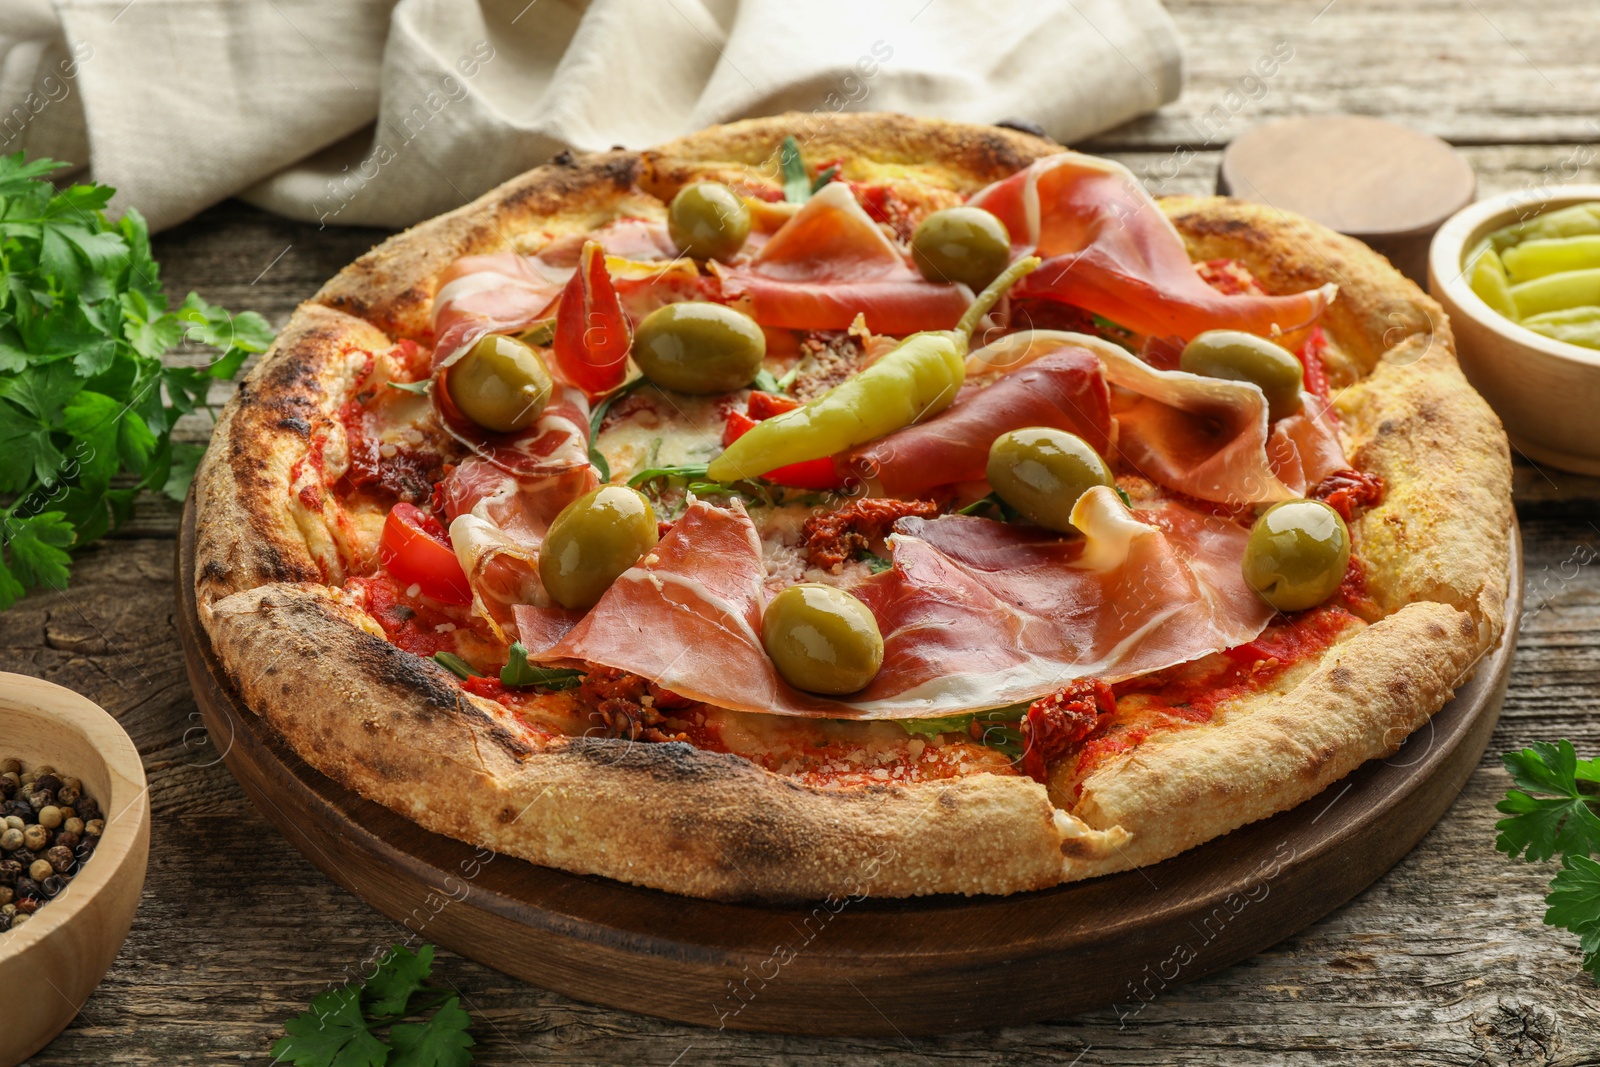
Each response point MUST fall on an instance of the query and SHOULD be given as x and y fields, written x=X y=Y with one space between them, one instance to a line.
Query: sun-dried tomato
x=831 y=539
x=1345 y=491
x=1057 y=724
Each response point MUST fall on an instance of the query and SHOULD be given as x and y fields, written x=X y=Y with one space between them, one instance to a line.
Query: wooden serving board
x=863 y=966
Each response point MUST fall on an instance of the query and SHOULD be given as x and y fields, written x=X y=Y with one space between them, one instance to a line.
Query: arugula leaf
x=877 y=564
x=598 y=416
x=766 y=382
x=455 y=665
x=823 y=178
x=654 y=474
x=996 y=725
x=796 y=183
x=399 y=974
x=442 y=1041
x=87 y=403
x=419 y=388
x=1542 y=826
x=332 y=1034
x=518 y=672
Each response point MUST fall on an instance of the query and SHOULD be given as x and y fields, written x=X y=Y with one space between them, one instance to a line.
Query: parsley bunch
x=84 y=395
x=1553 y=812
x=340 y=1029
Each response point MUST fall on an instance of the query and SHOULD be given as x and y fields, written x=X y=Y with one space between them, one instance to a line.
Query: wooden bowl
x=50 y=964
x=1547 y=392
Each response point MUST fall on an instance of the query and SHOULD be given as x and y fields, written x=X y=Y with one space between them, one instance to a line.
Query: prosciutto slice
x=1064 y=388
x=975 y=614
x=1205 y=437
x=831 y=262
x=500 y=502
x=507 y=292
x=1108 y=248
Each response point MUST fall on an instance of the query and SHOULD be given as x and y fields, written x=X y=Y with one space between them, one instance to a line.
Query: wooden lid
x=1361 y=176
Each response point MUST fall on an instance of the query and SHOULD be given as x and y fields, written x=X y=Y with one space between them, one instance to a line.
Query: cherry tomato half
x=416 y=550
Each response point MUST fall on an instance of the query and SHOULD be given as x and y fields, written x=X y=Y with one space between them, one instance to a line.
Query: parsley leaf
x=332 y=1034
x=87 y=400
x=341 y=1028
x=399 y=974
x=442 y=1041
x=1543 y=826
x=1574 y=898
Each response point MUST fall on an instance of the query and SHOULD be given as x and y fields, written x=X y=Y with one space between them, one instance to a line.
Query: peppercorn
x=24 y=856
x=10 y=838
x=36 y=837
x=15 y=821
x=19 y=810
x=26 y=887
x=10 y=870
x=47 y=781
x=26 y=907
x=60 y=858
x=72 y=783
x=43 y=769
x=71 y=824
x=10 y=765
x=53 y=885
x=29 y=777
x=39 y=870
x=85 y=849
x=87 y=809
x=66 y=839
x=5 y=923
x=8 y=788
x=41 y=798
x=94 y=827
x=67 y=796
x=7 y=894
x=49 y=816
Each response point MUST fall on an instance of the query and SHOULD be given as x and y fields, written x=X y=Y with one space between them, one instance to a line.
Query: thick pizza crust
x=396 y=729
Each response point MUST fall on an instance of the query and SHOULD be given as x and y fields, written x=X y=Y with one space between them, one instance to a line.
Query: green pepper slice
x=916 y=381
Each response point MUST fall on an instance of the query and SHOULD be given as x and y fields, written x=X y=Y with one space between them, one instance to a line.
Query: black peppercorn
x=67 y=796
x=5 y=923
x=60 y=858
x=20 y=809
x=10 y=871
x=26 y=888
x=87 y=808
x=53 y=885
x=66 y=839
x=47 y=782
x=24 y=856
x=85 y=849
x=8 y=788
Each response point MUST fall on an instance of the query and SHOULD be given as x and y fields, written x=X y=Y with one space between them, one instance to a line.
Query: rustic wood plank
x=1444 y=961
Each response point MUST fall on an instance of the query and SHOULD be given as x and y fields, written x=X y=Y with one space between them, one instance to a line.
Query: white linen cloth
x=382 y=113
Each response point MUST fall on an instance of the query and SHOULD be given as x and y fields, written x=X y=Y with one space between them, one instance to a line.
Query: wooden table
x=1443 y=961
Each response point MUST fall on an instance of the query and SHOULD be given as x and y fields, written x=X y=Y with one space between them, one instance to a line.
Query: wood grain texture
x=1444 y=961
x=934 y=966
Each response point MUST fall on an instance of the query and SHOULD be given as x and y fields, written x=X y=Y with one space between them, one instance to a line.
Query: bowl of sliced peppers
x=1519 y=276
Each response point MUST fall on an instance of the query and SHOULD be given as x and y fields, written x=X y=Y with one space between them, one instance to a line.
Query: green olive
x=1244 y=357
x=961 y=244
x=593 y=540
x=697 y=347
x=501 y=384
x=822 y=639
x=1297 y=554
x=1042 y=472
x=707 y=220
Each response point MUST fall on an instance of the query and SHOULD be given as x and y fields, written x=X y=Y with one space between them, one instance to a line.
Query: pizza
x=873 y=505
